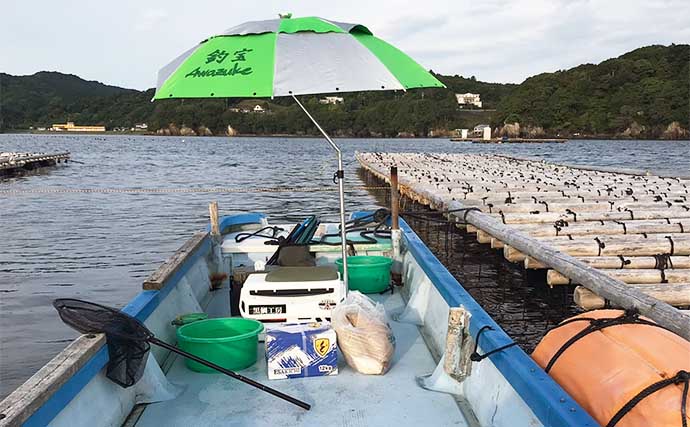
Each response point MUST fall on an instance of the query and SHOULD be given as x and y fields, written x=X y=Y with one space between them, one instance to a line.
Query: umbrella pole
x=341 y=190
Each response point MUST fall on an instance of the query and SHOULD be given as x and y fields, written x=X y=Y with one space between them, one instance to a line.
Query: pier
x=622 y=238
x=12 y=163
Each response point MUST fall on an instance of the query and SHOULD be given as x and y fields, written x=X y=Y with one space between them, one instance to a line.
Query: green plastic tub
x=230 y=342
x=367 y=274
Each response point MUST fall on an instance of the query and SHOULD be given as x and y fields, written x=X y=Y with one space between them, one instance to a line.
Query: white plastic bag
x=364 y=336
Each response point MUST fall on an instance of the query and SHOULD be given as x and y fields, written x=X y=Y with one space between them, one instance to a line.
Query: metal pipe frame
x=341 y=190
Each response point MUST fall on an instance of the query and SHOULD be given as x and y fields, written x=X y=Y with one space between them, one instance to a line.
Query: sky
x=125 y=42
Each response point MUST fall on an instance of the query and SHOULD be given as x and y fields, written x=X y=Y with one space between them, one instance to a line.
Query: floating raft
x=11 y=163
x=622 y=237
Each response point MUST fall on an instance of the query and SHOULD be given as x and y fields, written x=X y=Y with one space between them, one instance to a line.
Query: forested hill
x=637 y=94
x=48 y=97
x=643 y=93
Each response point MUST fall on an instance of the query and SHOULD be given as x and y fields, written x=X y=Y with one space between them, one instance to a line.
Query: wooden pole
x=213 y=213
x=395 y=203
x=641 y=276
x=628 y=262
x=538 y=198
x=483 y=237
x=630 y=245
x=652 y=226
x=574 y=216
x=674 y=293
x=576 y=207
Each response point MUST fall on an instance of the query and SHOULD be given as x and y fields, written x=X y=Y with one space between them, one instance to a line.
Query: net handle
x=230 y=373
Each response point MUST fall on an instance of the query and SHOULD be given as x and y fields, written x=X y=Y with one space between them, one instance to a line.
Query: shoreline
x=293 y=136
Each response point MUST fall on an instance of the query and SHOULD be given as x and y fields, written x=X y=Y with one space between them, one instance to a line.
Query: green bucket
x=230 y=342
x=367 y=274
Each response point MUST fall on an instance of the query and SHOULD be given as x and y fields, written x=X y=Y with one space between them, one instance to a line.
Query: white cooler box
x=292 y=294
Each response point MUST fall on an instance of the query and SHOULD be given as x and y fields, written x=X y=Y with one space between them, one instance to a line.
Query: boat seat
x=295 y=256
x=302 y=274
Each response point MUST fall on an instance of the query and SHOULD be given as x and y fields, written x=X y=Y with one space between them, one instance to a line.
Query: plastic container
x=230 y=342
x=367 y=274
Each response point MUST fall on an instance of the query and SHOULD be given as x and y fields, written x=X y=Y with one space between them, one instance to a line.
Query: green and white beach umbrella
x=284 y=57
x=290 y=57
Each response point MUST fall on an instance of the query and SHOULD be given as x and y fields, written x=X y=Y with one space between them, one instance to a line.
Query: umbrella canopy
x=288 y=57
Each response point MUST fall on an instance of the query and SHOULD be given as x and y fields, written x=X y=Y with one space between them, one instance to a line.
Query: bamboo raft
x=623 y=238
x=11 y=163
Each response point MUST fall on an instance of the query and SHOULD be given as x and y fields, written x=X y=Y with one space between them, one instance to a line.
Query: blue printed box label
x=296 y=350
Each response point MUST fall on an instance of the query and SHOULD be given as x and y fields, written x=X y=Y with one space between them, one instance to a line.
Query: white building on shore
x=332 y=100
x=71 y=127
x=482 y=131
x=469 y=99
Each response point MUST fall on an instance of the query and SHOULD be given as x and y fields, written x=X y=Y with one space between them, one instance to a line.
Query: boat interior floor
x=346 y=399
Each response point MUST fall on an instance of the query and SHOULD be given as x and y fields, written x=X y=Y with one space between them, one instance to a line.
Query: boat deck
x=347 y=399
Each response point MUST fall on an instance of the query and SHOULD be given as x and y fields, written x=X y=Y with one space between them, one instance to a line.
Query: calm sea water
x=101 y=246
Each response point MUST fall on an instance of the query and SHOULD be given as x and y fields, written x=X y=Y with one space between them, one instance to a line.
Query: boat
x=451 y=364
x=438 y=376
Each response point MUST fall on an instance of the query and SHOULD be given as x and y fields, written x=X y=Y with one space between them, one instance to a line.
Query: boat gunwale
x=57 y=393
x=552 y=405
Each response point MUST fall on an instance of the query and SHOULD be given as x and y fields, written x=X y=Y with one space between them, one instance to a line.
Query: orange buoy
x=623 y=369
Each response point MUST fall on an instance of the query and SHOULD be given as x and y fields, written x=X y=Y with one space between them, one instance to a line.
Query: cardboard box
x=297 y=350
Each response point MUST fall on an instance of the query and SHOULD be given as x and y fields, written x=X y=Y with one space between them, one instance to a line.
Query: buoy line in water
x=49 y=190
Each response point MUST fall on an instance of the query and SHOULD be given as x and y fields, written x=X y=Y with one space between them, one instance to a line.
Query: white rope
x=52 y=190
